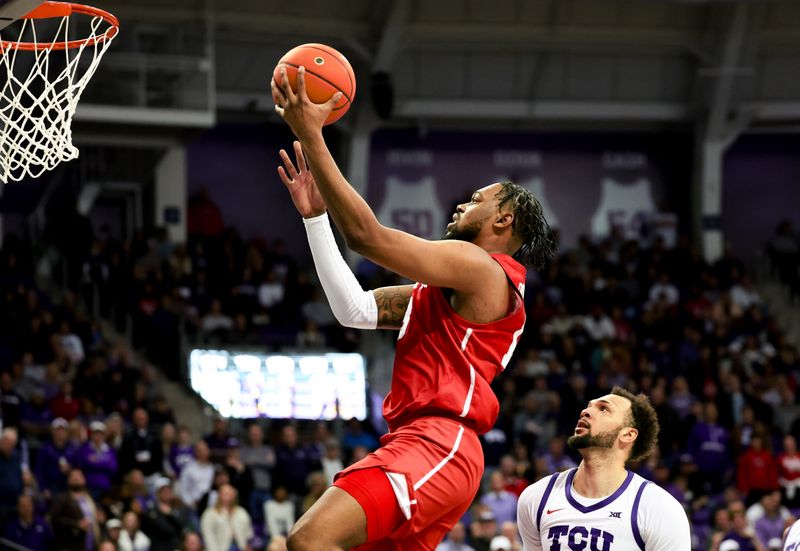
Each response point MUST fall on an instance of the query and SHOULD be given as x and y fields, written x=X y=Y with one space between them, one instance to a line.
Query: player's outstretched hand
x=300 y=183
x=303 y=116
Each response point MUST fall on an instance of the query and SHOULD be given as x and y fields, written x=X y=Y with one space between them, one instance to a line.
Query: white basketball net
x=40 y=91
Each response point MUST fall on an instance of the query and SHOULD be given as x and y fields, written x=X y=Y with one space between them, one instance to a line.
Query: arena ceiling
x=505 y=62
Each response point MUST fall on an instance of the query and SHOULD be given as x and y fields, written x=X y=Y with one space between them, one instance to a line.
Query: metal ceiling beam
x=563 y=110
x=144 y=116
x=494 y=35
x=772 y=111
x=247 y=21
x=720 y=102
x=392 y=36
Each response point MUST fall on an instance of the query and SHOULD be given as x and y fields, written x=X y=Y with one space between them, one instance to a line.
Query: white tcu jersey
x=793 y=538
x=639 y=515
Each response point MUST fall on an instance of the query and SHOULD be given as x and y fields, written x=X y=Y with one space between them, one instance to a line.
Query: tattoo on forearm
x=392 y=303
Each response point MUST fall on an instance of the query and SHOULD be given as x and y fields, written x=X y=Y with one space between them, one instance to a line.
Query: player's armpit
x=392 y=304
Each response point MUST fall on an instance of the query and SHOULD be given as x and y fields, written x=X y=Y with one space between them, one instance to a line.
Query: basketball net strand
x=37 y=106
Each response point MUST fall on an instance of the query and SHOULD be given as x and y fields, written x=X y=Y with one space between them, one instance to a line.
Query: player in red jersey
x=458 y=327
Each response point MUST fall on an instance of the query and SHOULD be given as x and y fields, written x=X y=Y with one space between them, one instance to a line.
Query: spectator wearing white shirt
x=131 y=538
x=279 y=512
x=71 y=343
x=215 y=319
x=744 y=293
x=664 y=287
x=271 y=291
x=196 y=477
x=332 y=460
x=226 y=523
x=598 y=325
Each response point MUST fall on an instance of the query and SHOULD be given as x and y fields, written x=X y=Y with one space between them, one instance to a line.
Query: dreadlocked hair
x=529 y=226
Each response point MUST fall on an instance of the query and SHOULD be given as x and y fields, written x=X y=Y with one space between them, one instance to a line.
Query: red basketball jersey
x=444 y=364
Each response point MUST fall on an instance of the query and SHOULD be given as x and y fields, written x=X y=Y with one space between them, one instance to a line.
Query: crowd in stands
x=91 y=457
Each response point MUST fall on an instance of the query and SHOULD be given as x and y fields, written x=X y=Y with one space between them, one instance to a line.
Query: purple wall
x=568 y=169
x=238 y=166
x=761 y=176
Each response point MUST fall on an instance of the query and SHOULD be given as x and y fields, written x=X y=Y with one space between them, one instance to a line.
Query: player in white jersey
x=600 y=505
x=792 y=540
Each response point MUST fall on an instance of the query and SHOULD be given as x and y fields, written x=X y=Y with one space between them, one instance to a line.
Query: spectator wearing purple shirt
x=500 y=501
x=681 y=399
x=29 y=530
x=741 y=533
x=182 y=451
x=556 y=460
x=97 y=460
x=140 y=498
x=661 y=476
x=709 y=445
x=293 y=463
x=53 y=459
x=772 y=524
x=220 y=440
x=35 y=415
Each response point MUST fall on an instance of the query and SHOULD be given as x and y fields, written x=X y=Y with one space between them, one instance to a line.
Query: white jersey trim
x=468 y=401
x=514 y=341
x=443 y=462
x=398 y=482
x=407 y=316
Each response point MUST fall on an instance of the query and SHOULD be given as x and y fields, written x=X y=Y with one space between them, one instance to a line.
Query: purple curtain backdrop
x=761 y=176
x=418 y=173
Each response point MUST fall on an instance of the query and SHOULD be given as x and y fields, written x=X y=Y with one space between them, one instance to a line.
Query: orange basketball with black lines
x=327 y=72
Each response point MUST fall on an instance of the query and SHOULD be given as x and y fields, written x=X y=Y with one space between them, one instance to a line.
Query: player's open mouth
x=582 y=425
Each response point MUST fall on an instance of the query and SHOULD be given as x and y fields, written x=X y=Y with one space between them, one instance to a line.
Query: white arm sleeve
x=663 y=522
x=352 y=305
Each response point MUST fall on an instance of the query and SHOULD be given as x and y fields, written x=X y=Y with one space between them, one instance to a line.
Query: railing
x=8 y=544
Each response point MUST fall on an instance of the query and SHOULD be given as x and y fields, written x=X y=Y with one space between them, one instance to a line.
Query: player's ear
x=629 y=435
x=504 y=219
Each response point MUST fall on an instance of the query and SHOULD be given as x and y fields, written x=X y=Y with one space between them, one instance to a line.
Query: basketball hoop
x=41 y=81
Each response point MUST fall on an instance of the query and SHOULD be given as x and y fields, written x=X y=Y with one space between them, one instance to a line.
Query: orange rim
x=49 y=10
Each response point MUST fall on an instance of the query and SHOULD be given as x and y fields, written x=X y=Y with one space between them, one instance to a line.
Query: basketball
x=327 y=72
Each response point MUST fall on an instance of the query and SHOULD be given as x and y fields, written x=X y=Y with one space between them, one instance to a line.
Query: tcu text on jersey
x=579 y=538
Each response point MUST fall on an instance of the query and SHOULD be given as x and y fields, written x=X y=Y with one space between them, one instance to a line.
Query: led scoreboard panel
x=246 y=385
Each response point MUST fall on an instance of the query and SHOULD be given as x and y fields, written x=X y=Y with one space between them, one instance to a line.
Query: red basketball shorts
x=417 y=485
